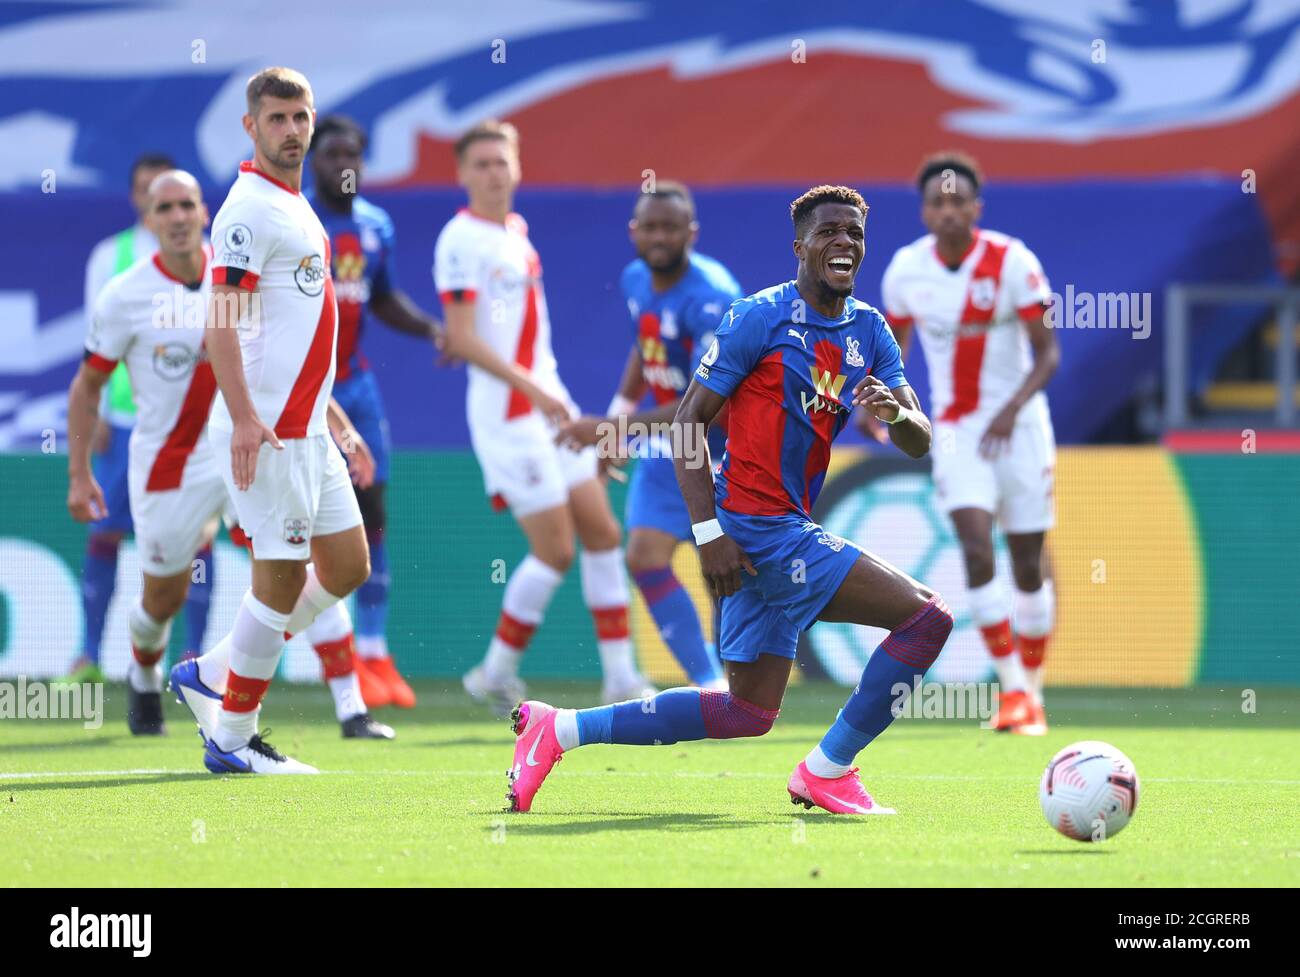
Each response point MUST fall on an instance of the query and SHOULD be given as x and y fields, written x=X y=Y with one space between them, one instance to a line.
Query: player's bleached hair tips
x=278 y=83
x=803 y=206
x=950 y=159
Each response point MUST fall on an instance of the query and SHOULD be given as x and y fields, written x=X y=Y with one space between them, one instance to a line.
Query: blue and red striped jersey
x=675 y=328
x=362 y=247
x=789 y=375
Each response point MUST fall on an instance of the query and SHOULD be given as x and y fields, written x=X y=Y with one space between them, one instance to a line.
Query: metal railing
x=1179 y=300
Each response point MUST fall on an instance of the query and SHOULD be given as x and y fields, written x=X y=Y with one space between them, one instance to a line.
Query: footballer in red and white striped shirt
x=977 y=299
x=271 y=337
x=151 y=317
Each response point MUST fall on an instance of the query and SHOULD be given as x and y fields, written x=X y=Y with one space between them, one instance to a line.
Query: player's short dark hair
x=151 y=161
x=670 y=188
x=487 y=129
x=801 y=209
x=334 y=124
x=950 y=159
x=278 y=83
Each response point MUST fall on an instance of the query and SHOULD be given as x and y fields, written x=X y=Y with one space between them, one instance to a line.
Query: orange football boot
x=1014 y=709
x=400 y=694
x=374 y=690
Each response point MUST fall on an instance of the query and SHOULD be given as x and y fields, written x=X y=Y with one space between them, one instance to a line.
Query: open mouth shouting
x=840 y=269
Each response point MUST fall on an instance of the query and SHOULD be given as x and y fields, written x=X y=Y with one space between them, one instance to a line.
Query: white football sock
x=528 y=594
x=989 y=606
x=604 y=587
x=149 y=635
x=820 y=765
x=145 y=678
x=313 y=601
x=347 y=696
x=566 y=728
x=256 y=643
x=332 y=624
x=215 y=666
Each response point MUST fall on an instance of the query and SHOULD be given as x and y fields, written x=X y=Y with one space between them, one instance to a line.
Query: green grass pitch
x=1220 y=802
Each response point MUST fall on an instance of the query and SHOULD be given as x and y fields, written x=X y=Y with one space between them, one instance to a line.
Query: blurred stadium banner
x=1172 y=568
x=1172 y=121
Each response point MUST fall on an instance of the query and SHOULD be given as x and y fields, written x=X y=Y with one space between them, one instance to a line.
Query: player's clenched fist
x=721 y=561
x=246 y=441
x=86 y=499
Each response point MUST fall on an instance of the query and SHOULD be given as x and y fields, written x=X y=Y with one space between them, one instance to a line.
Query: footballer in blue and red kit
x=676 y=298
x=790 y=363
x=361 y=247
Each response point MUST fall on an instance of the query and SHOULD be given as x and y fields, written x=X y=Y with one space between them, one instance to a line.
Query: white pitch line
x=695 y=774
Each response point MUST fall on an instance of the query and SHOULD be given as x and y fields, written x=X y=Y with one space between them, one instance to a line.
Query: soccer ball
x=1089 y=791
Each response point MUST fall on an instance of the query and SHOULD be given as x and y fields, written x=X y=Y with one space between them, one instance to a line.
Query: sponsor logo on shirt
x=827 y=396
x=173 y=361
x=309 y=276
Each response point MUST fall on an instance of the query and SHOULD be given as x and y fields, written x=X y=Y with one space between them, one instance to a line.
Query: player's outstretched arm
x=721 y=560
x=85 y=497
x=909 y=428
x=228 y=305
x=464 y=343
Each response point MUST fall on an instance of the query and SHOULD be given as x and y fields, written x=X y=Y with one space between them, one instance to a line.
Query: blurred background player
x=676 y=298
x=271 y=335
x=361 y=245
x=977 y=299
x=110 y=257
x=175 y=488
x=489 y=278
x=792 y=360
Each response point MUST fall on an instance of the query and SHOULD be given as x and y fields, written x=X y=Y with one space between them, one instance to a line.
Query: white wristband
x=903 y=414
x=620 y=405
x=707 y=531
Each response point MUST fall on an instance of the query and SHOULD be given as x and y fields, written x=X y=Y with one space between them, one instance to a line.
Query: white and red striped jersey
x=971 y=321
x=496 y=266
x=153 y=322
x=267 y=239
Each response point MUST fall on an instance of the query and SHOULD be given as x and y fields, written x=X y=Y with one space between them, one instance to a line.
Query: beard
x=827 y=291
x=668 y=267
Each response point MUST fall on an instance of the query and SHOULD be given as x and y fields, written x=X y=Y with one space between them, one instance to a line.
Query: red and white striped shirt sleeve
x=110 y=331
x=244 y=235
x=1030 y=291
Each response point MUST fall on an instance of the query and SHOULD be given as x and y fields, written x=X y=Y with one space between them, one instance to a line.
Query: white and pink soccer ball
x=1089 y=791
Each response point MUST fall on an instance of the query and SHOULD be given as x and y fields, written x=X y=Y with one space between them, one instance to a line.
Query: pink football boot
x=842 y=795
x=536 y=752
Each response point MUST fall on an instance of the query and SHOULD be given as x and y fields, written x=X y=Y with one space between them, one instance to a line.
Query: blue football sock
x=199 y=600
x=668 y=717
x=903 y=656
x=674 y=614
x=372 y=596
x=98 y=578
x=672 y=716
